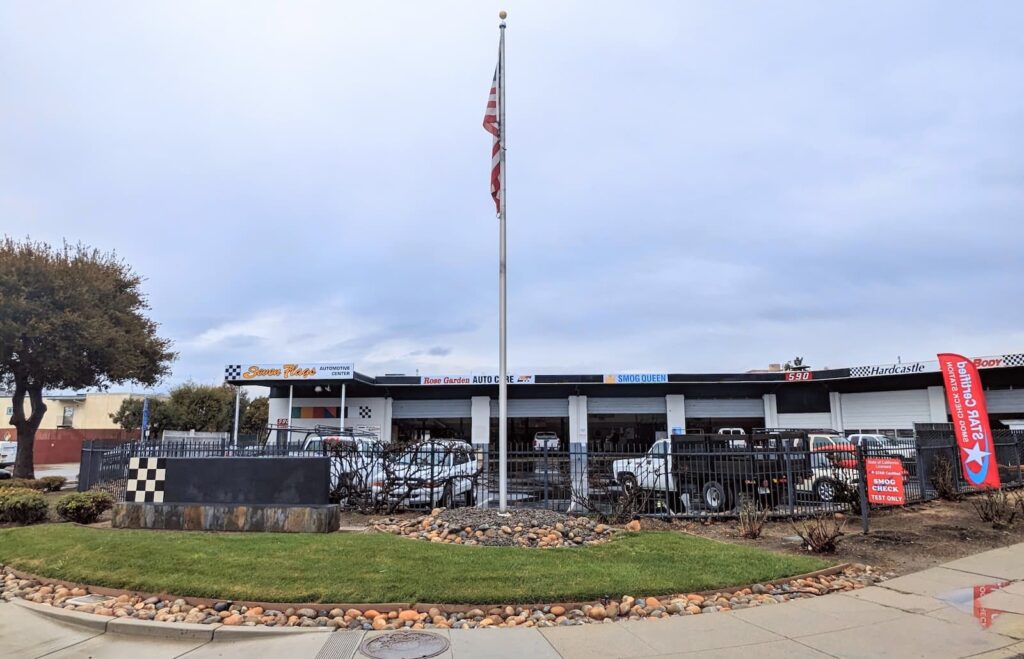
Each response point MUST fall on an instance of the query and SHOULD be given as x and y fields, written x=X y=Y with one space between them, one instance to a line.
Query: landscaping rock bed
x=626 y=607
x=544 y=529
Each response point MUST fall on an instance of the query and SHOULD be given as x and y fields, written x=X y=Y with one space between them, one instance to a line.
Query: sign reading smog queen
x=274 y=372
x=636 y=378
x=474 y=379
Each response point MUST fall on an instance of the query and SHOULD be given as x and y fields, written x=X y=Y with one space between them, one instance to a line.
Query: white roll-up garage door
x=722 y=408
x=533 y=407
x=654 y=405
x=1005 y=401
x=885 y=409
x=430 y=409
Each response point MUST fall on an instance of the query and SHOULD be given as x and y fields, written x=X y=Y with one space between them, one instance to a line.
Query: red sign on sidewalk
x=885 y=481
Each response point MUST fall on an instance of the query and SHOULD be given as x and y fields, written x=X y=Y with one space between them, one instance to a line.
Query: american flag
x=491 y=126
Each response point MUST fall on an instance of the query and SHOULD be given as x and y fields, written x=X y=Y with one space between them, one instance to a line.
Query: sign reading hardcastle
x=636 y=378
x=271 y=372
x=475 y=379
x=966 y=399
x=885 y=481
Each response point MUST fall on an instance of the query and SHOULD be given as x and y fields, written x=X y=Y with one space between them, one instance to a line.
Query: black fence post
x=923 y=475
x=787 y=445
x=862 y=486
x=665 y=475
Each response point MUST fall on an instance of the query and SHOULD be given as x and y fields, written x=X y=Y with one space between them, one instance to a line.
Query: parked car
x=833 y=468
x=732 y=431
x=355 y=458
x=4 y=474
x=8 y=453
x=545 y=441
x=877 y=446
x=435 y=473
x=718 y=470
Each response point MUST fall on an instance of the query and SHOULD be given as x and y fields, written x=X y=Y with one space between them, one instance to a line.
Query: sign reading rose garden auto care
x=885 y=481
x=966 y=400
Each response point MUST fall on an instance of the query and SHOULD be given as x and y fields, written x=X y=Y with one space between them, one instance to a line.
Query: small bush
x=943 y=478
x=84 y=507
x=820 y=533
x=23 y=506
x=997 y=507
x=45 y=484
x=53 y=483
x=752 y=519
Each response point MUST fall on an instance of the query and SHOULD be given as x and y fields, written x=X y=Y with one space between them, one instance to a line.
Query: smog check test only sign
x=885 y=481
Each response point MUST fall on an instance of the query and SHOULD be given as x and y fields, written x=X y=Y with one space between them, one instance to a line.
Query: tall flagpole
x=502 y=333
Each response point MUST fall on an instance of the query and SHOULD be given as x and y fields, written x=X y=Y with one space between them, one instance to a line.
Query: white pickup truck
x=8 y=453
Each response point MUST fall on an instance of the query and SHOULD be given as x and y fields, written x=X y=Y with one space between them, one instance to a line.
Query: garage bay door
x=534 y=407
x=1005 y=401
x=654 y=405
x=724 y=408
x=886 y=409
x=430 y=409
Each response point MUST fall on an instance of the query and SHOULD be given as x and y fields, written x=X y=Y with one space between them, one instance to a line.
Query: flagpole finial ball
x=502 y=14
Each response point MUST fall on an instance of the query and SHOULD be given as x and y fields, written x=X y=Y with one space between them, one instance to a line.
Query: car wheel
x=628 y=483
x=715 y=497
x=826 y=489
x=447 y=497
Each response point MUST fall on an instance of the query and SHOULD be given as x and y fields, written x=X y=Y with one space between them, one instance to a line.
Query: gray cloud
x=694 y=187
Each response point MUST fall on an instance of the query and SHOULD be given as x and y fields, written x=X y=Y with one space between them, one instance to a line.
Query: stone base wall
x=227 y=517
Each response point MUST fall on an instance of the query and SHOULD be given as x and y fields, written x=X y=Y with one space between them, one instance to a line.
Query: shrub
x=84 y=507
x=45 y=484
x=22 y=506
x=752 y=519
x=52 y=483
x=943 y=478
x=821 y=533
x=997 y=507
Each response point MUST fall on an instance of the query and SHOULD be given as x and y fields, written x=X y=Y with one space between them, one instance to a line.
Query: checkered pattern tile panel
x=365 y=412
x=146 y=479
x=233 y=372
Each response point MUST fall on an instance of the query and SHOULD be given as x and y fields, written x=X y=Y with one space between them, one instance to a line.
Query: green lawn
x=345 y=567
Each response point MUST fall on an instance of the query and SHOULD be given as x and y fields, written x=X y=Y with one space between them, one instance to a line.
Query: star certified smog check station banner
x=966 y=399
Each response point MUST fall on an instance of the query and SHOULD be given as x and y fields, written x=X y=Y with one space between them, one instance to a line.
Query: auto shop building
x=625 y=411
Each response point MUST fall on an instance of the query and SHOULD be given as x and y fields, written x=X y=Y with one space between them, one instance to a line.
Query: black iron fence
x=779 y=473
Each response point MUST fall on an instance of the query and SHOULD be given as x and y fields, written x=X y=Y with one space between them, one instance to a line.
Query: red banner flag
x=966 y=399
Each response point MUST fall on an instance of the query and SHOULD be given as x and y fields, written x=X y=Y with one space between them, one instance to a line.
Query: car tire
x=628 y=483
x=715 y=497
x=826 y=490
x=447 y=497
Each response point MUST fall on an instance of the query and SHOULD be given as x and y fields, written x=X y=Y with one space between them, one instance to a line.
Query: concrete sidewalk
x=972 y=607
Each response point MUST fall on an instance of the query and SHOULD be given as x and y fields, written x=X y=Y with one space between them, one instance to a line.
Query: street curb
x=170 y=630
x=78 y=618
x=230 y=632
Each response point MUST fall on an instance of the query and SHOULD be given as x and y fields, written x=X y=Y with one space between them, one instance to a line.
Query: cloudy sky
x=696 y=186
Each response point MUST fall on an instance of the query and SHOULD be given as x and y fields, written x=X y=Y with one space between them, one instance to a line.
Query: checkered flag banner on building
x=232 y=372
x=492 y=124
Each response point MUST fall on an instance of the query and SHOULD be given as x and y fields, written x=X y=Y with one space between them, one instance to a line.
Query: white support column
x=675 y=414
x=937 y=405
x=579 y=482
x=771 y=411
x=341 y=411
x=835 y=402
x=387 y=422
x=291 y=391
x=480 y=436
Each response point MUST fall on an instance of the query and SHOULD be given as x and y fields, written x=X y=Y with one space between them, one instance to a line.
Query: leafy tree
x=254 y=421
x=129 y=415
x=70 y=318
x=190 y=406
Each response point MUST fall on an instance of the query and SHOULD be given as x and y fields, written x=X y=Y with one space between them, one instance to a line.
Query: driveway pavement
x=972 y=607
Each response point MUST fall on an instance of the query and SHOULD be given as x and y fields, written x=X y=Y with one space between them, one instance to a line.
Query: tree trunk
x=24 y=464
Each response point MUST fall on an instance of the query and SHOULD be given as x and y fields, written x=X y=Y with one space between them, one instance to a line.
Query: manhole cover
x=404 y=645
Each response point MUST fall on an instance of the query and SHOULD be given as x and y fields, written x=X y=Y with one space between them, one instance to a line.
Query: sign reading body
x=966 y=400
x=885 y=481
x=270 y=372
x=636 y=378
x=475 y=379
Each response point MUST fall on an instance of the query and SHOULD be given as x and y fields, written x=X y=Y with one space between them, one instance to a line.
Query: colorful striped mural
x=315 y=412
